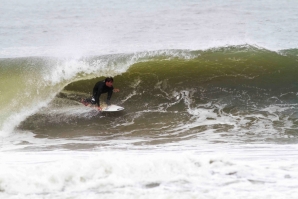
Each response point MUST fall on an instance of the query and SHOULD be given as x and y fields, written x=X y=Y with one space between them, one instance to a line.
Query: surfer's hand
x=116 y=90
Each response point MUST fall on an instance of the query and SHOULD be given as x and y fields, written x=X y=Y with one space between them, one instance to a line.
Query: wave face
x=27 y=84
x=238 y=91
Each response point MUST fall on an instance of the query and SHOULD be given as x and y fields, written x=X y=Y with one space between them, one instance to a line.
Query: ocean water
x=210 y=93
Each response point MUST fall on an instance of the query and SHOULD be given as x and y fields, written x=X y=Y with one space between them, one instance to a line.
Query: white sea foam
x=162 y=175
x=16 y=118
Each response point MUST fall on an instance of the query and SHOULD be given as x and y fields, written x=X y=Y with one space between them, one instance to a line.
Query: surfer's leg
x=88 y=101
x=92 y=100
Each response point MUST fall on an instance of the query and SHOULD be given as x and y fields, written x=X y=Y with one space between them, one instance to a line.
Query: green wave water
x=236 y=73
x=177 y=83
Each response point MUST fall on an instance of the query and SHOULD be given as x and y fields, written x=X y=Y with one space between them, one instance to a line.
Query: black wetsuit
x=99 y=88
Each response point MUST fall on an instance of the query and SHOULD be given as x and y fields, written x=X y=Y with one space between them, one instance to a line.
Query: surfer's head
x=109 y=81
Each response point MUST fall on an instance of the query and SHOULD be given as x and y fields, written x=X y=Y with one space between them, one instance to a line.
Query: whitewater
x=209 y=89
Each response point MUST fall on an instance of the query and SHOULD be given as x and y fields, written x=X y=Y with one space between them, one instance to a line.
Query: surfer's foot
x=84 y=102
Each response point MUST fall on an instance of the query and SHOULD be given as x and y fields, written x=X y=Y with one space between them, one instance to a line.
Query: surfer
x=100 y=87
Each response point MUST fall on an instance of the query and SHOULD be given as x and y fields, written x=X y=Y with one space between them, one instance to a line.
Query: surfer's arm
x=110 y=92
x=97 y=100
x=98 y=93
x=97 y=97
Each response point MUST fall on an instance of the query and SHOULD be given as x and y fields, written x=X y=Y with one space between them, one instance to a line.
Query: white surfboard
x=112 y=108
